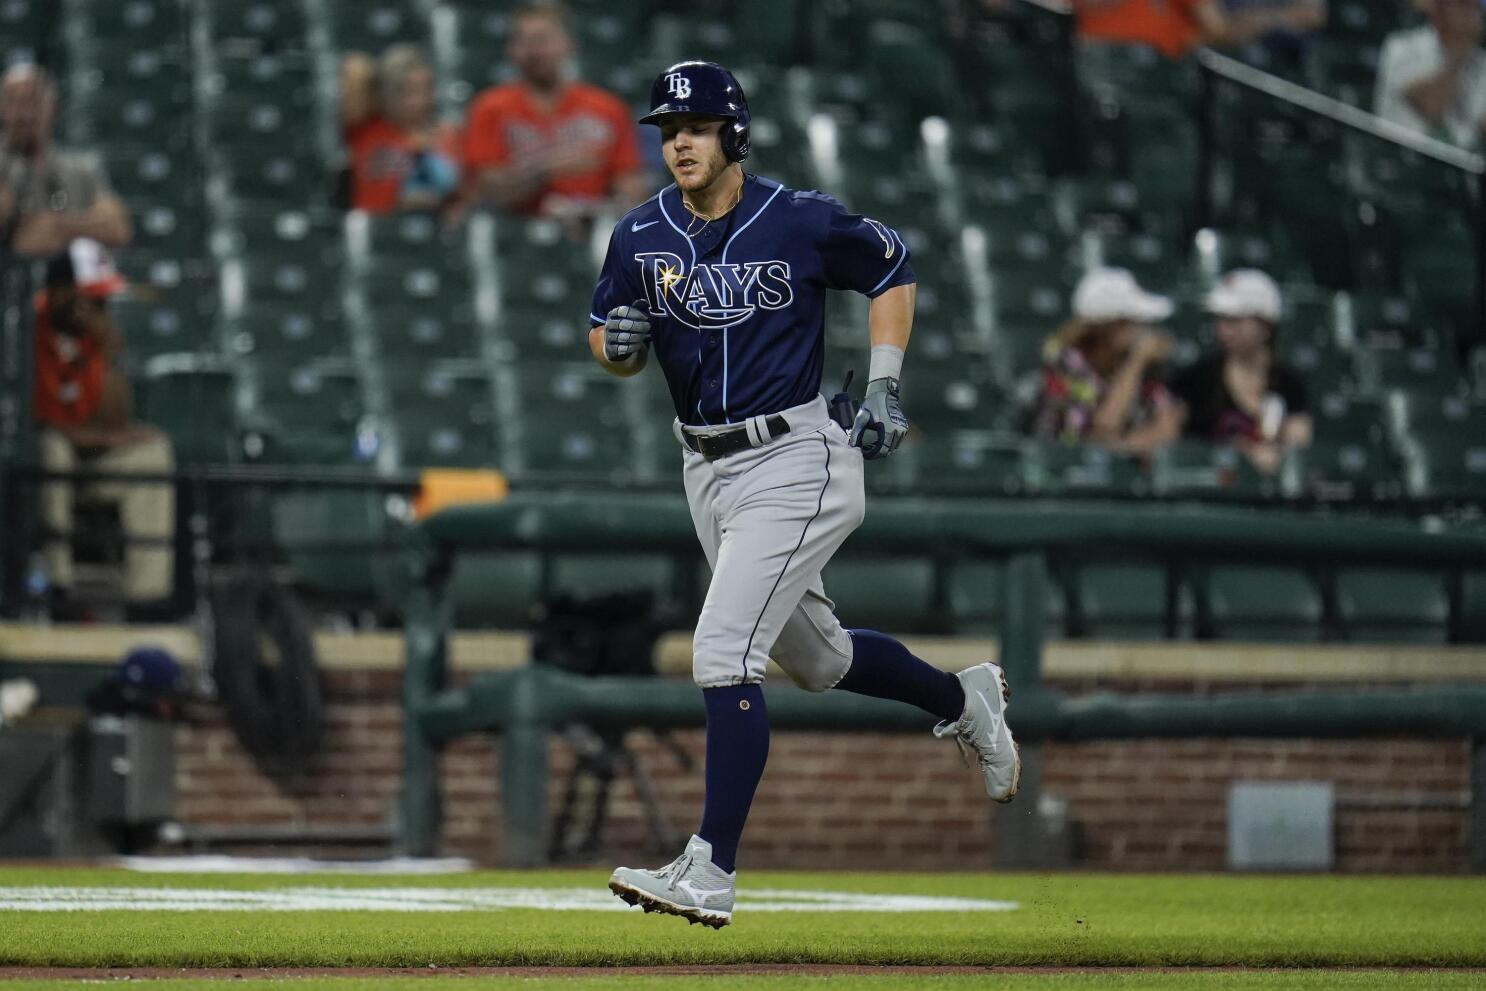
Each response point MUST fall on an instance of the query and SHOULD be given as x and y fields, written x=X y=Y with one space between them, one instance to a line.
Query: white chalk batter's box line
x=77 y=899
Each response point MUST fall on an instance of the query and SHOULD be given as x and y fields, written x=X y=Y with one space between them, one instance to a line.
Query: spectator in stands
x=1433 y=78
x=402 y=158
x=83 y=417
x=547 y=143
x=48 y=197
x=1241 y=395
x=1098 y=385
x=1176 y=27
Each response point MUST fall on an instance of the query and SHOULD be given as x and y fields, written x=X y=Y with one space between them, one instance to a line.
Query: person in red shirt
x=547 y=144
x=402 y=158
x=84 y=419
x=1175 y=27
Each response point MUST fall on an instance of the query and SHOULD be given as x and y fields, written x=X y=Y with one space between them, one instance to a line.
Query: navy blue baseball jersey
x=738 y=307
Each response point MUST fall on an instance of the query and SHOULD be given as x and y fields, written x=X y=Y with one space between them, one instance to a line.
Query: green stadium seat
x=974 y=598
x=964 y=462
x=311 y=415
x=987 y=149
x=444 y=418
x=496 y=589
x=165 y=228
x=545 y=336
x=410 y=336
x=575 y=426
x=190 y=397
x=1055 y=468
x=413 y=238
x=1374 y=318
x=1451 y=467
x=365 y=569
x=1420 y=369
x=271 y=24
x=1045 y=252
x=589 y=576
x=1359 y=469
x=287 y=282
x=954 y=396
x=1127 y=600
x=372 y=26
x=279 y=175
x=776 y=40
x=282 y=78
x=397 y=284
x=289 y=336
x=1149 y=258
x=1342 y=418
x=1008 y=204
x=137 y=171
x=1427 y=415
x=1262 y=604
x=160 y=326
x=1393 y=606
x=131 y=117
x=858 y=586
x=1019 y=353
x=1030 y=302
x=293 y=233
x=239 y=123
x=1202 y=469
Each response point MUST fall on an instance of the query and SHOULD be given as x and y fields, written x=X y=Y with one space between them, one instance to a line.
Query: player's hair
x=393 y=68
x=552 y=10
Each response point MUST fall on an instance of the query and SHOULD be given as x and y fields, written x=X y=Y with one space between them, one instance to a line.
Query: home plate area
x=98 y=899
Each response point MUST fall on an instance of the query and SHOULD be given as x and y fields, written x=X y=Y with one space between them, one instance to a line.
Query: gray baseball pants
x=769 y=518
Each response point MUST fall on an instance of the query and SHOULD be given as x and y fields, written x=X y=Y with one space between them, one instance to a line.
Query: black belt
x=725 y=442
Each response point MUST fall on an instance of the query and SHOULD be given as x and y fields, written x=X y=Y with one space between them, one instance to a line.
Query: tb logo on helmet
x=680 y=86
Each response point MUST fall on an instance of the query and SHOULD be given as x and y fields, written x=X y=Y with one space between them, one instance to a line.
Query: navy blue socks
x=883 y=668
x=737 y=748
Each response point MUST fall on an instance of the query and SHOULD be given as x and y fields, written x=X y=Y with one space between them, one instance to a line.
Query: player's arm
x=890 y=318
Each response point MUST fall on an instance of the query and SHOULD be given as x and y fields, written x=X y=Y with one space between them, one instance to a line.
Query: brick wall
x=831 y=800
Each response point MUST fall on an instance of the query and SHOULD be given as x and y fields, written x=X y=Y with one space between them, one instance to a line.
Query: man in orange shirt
x=548 y=144
x=1175 y=27
x=84 y=419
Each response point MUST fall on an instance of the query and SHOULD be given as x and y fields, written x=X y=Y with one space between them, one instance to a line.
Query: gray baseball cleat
x=690 y=886
x=982 y=731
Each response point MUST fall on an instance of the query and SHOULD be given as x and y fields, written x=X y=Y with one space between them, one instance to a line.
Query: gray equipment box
x=131 y=770
x=1280 y=826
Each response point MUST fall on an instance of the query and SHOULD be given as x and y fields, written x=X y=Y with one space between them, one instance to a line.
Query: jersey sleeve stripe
x=902 y=257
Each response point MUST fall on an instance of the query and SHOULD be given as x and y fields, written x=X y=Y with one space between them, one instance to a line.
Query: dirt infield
x=719 y=970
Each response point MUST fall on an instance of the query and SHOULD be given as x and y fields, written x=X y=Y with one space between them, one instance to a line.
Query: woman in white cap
x=1097 y=381
x=1240 y=395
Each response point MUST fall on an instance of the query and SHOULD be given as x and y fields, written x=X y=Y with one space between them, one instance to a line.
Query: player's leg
x=815 y=651
x=786 y=509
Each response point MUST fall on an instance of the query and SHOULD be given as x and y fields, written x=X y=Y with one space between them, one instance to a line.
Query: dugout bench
x=526 y=705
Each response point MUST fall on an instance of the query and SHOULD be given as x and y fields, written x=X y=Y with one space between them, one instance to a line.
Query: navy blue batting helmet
x=696 y=87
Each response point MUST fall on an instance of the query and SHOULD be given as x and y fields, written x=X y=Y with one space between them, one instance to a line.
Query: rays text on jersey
x=716 y=295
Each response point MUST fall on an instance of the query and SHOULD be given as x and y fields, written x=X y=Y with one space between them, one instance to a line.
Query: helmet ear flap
x=735 y=143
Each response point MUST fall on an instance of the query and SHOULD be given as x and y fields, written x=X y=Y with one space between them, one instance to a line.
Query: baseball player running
x=723 y=276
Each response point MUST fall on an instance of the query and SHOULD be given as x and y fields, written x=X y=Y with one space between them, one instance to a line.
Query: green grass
x=1064 y=920
x=1207 y=981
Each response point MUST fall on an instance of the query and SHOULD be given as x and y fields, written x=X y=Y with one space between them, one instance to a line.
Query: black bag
x=610 y=635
